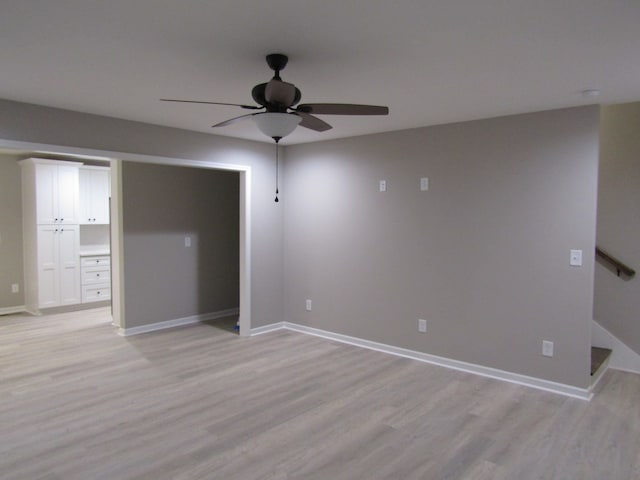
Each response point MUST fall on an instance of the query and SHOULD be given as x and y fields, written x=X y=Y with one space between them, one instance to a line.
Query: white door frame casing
x=117 y=234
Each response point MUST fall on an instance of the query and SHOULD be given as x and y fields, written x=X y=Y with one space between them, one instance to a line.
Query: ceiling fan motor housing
x=259 y=96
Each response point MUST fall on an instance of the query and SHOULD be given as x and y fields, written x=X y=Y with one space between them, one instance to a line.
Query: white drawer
x=95 y=293
x=101 y=261
x=95 y=275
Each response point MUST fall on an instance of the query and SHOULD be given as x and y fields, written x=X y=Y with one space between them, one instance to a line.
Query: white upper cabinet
x=56 y=193
x=46 y=177
x=68 y=195
x=94 y=195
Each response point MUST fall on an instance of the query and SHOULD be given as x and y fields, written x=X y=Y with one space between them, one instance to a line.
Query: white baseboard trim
x=622 y=357
x=267 y=329
x=178 y=322
x=12 y=310
x=533 y=382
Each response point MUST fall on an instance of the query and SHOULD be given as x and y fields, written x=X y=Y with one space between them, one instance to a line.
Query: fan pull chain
x=277 y=140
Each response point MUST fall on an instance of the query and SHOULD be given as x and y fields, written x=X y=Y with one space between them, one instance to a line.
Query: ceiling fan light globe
x=274 y=124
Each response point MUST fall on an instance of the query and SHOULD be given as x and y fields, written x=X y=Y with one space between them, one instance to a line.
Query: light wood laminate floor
x=79 y=402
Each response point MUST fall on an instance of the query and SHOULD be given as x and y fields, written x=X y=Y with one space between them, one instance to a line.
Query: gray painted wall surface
x=483 y=255
x=617 y=301
x=163 y=205
x=33 y=123
x=10 y=232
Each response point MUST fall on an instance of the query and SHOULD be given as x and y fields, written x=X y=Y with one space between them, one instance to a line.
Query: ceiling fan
x=281 y=113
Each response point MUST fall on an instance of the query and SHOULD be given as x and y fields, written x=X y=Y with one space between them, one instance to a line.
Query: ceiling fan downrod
x=277 y=62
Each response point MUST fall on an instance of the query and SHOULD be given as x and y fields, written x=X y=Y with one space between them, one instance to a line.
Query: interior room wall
x=162 y=206
x=23 y=122
x=617 y=300
x=483 y=255
x=11 y=270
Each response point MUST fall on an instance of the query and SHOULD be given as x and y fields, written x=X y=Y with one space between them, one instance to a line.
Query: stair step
x=598 y=357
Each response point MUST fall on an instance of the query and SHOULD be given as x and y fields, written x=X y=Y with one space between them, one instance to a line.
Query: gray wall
x=483 y=255
x=10 y=232
x=32 y=123
x=617 y=301
x=163 y=205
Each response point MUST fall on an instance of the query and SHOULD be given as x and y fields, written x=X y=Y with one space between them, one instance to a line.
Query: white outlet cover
x=547 y=348
x=187 y=241
x=308 y=305
x=383 y=185
x=422 y=325
x=424 y=184
x=575 y=259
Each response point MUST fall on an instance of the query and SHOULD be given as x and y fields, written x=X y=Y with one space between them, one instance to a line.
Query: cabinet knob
x=98 y=293
x=97 y=274
x=97 y=261
x=55 y=219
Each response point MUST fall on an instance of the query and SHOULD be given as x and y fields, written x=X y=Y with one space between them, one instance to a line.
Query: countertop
x=95 y=250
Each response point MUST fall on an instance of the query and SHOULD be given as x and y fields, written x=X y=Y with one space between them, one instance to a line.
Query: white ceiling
x=431 y=62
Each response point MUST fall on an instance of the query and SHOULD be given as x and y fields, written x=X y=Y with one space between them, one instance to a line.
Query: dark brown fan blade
x=233 y=120
x=342 y=109
x=279 y=92
x=249 y=107
x=314 y=123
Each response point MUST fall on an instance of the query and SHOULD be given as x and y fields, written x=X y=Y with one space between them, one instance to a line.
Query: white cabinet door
x=68 y=195
x=85 y=195
x=48 y=266
x=58 y=265
x=46 y=194
x=56 y=194
x=94 y=195
x=100 y=196
x=69 y=261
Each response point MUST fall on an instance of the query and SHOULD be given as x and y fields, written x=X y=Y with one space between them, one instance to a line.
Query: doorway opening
x=124 y=316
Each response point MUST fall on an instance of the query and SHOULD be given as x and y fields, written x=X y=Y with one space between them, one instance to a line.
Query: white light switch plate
x=308 y=305
x=547 y=348
x=383 y=185
x=424 y=184
x=576 y=258
x=187 y=241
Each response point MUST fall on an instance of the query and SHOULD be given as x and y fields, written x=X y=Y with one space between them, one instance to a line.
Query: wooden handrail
x=617 y=264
